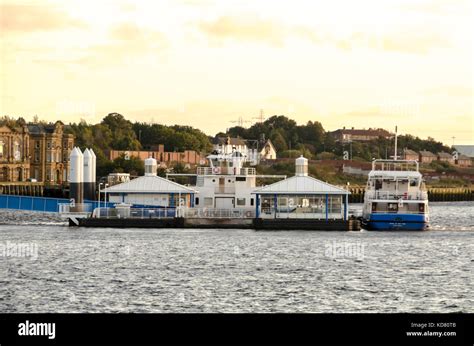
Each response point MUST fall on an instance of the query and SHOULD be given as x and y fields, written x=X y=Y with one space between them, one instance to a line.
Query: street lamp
x=100 y=188
x=105 y=200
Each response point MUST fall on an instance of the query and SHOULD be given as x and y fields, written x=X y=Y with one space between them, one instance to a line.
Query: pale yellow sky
x=207 y=63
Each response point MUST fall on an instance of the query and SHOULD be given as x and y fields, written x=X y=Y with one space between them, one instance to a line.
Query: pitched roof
x=410 y=152
x=364 y=132
x=444 y=155
x=229 y=140
x=301 y=185
x=426 y=153
x=149 y=184
x=467 y=150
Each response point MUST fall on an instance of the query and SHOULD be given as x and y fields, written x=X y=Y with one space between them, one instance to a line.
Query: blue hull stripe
x=415 y=222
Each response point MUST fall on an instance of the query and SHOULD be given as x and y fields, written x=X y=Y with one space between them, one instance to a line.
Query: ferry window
x=229 y=181
x=393 y=207
x=378 y=184
x=240 y=201
x=251 y=201
x=208 y=201
x=197 y=200
x=213 y=180
x=240 y=179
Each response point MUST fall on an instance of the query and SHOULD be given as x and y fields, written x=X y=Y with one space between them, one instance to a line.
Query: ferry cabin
x=396 y=191
x=226 y=184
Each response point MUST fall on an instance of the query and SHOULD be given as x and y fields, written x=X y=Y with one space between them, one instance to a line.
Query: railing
x=225 y=170
x=391 y=195
x=77 y=208
x=304 y=213
x=217 y=213
x=134 y=213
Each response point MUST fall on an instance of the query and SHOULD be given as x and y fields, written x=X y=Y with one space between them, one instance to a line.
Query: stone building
x=14 y=153
x=49 y=151
x=35 y=151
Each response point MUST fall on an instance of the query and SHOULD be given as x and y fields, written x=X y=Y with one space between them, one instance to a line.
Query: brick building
x=349 y=135
x=190 y=157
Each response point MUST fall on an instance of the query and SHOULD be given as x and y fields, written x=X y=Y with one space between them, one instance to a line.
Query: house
x=268 y=151
x=362 y=135
x=463 y=161
x=467 y=150
x=445 y=157
x=227 y=145
x=410 y=155
x=427 y=156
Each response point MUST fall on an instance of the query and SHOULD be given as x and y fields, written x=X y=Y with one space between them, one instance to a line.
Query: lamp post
x=100 y=187
x=105 y=200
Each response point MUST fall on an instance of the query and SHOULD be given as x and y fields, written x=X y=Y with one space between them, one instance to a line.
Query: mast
x=395 y=155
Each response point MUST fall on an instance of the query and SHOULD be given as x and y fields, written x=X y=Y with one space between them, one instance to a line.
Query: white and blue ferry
x=395 y=197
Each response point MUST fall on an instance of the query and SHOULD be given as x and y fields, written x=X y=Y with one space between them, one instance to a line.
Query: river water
x=61 y=269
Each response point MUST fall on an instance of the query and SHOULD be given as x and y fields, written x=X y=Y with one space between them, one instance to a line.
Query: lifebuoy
x=216 y=170
x=248 y=214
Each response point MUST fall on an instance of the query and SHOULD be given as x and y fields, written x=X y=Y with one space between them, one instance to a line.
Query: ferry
x=395 y=197
x=226 y=184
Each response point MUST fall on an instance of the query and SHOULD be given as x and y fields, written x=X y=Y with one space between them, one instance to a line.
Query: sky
x=209 y=63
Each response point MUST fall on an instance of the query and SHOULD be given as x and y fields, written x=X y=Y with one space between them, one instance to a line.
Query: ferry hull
x=395 y=222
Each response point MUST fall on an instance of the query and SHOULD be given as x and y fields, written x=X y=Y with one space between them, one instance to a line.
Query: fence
x=43 y=204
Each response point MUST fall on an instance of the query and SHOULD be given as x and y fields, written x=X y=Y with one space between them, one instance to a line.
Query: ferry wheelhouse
x=395 y=197
x=225 y=186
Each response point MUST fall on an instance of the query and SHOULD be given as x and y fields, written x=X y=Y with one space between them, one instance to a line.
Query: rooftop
x=229 y=141
x=301 y=185
x=467 y=150
x=426 y=153
x=149 y=184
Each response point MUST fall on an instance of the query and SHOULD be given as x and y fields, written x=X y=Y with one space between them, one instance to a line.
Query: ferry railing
x=391 y=195
x=225 y=170
x=302 y=213
x=219 y=213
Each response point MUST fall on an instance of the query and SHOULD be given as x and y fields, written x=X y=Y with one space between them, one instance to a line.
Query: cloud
x=32 y=18
x=411 y=40
x=451 y=90
x=244 y=29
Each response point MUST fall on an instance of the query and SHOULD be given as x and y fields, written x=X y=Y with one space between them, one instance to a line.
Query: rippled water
x=141 y=270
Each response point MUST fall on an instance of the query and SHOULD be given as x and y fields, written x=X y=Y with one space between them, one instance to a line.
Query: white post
x=100 y=187
x=105 y=201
